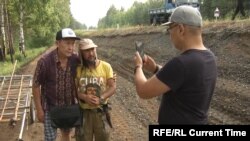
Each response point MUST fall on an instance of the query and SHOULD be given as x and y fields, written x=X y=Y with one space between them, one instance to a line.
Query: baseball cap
x=86 y=44
x=66 y=33
x=187 y=15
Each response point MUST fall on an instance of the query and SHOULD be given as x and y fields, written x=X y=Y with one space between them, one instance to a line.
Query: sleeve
x=172 y=74
x=39 y=75
x=109 y=71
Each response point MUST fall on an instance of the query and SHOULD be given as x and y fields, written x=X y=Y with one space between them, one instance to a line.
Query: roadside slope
x=132 y=115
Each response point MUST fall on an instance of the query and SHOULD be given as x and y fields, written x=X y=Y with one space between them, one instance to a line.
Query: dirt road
x=132 y=115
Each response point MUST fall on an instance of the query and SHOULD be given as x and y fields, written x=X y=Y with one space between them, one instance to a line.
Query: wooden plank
x=20 y=107
x=18 y=100
x=17 y=86
x=2 y=85
x=7 y=120
x=10 y=114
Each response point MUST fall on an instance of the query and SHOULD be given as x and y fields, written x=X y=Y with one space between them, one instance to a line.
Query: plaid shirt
x=57 y=84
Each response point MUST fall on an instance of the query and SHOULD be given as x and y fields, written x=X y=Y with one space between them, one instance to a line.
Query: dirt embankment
x=231 y=45
x=132 y=115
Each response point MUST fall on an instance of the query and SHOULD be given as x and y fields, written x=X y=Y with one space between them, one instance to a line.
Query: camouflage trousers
x=94 y=126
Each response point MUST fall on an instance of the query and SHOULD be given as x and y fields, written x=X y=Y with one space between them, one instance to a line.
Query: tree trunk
x=239 y=8
x=21 y=38
x=9 y=41
x=3 y=35
x=11 y=48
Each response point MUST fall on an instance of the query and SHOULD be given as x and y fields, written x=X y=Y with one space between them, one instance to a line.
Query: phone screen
x=140 y=48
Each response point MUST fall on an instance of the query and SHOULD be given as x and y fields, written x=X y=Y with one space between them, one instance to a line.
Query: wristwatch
x=102 y=100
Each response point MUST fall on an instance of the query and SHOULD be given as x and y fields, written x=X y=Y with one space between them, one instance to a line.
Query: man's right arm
x=37 y=99
x=38 y=79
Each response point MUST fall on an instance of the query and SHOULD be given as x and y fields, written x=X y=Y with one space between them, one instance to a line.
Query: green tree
x=36 y=20
x=47 y=18
x=76 y=25
x=137 y=14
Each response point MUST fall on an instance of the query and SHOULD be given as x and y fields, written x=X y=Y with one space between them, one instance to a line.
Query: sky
x=88 y=12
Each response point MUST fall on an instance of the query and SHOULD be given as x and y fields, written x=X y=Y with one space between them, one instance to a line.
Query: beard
x=88 y=62
x=91 y=62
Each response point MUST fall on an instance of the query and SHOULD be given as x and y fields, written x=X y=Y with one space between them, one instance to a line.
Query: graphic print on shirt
x=92 y=85
x=93 y=89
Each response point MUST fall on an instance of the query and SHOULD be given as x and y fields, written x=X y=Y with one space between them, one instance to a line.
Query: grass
x=119 y=32
x=6 y=67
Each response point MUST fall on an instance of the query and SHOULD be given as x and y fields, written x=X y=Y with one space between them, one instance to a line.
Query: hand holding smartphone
x=139 y=46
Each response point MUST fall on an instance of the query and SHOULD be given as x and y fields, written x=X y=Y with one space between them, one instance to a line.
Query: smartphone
x=139 y=46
